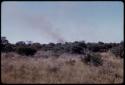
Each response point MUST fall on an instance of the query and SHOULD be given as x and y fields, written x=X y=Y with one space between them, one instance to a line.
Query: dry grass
x=67 y=68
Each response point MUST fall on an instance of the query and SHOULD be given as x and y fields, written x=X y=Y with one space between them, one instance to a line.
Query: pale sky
x=46 y=22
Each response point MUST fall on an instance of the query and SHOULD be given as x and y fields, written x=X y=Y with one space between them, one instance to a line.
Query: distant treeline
x=77 y=47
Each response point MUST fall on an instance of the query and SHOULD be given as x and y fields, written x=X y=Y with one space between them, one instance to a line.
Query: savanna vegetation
x=69 y=62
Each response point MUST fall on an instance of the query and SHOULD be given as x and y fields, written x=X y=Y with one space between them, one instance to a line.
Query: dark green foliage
x=36 y=46
x=100 y=46
x=93 y=58
x=67 y=47
x=93 y=47
x=4 y=40
x=82 y=44
x=25 y=50
x=77 y=47
x=118 y=51
x=44 y=47
x=57 y=48
x=21 y=43
x=51 y=44
x=7 y=48
x=101 y=43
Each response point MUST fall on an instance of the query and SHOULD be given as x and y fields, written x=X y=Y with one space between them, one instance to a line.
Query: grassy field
x=66 y=68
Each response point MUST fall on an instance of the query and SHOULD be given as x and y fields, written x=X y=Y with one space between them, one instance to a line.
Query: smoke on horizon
x=40 y=23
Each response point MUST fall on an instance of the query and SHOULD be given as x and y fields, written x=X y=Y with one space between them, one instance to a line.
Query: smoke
x=39 y=22
x=43 y=24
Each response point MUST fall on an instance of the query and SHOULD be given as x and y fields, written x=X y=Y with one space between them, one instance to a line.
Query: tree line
x=77 y=47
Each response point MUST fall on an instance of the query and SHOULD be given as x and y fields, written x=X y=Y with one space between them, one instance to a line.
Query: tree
x=4 y=40
x=78 y=47
x=29 y=43
x=5 y=45
x=20 y=43
x=36 y=46
x=101 y=43
x=118 y=50
x=26 y=51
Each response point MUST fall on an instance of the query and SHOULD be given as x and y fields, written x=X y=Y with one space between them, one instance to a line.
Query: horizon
x=59 y=22
x=26 y=42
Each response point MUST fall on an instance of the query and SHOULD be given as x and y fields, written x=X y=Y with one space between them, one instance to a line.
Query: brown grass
x=67 y=68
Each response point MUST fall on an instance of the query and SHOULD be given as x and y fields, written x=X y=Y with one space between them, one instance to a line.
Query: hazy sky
x=46 y=22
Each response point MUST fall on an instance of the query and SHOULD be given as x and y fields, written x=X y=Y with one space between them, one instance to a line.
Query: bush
x=36 y=46
x=67 y=47
x=78 y=47
x=93 y=47
x=118 y=51
x=7 y=48
x=20 y=43
x=26 y=51
x=93 y=58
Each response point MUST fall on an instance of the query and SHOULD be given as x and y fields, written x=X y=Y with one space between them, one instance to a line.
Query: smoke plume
x=39 y=22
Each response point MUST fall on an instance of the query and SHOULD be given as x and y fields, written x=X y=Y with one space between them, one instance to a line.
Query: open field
x=66 y=68
x=62 y=42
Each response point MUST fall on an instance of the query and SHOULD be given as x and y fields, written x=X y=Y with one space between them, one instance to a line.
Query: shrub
x=118 y=51
x=93 y=58
x=67 y=47
x=93 y=47
x=56 y=48
x=4 y=40
x=36 y=46
x=20 y=43
x=7 y=48
x=78 y=47
x=5 y=45
x=26 y=51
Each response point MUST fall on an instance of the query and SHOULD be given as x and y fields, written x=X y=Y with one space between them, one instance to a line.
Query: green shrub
x=118 y=51
x=26 y=51
x=93 y=58
x=7 y=48
x=76 y=49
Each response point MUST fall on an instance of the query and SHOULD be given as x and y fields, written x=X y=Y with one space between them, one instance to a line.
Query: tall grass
x=17 y=69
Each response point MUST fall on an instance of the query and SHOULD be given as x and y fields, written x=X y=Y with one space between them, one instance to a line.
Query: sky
x=62 y=21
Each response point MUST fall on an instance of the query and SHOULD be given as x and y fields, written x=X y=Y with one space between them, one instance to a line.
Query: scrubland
x=44 y=67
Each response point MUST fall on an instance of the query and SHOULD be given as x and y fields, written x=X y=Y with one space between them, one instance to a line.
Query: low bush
x=25 y=51
x=93 y=58
x=118 y=51
x=7 y=48
x=76 y=49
